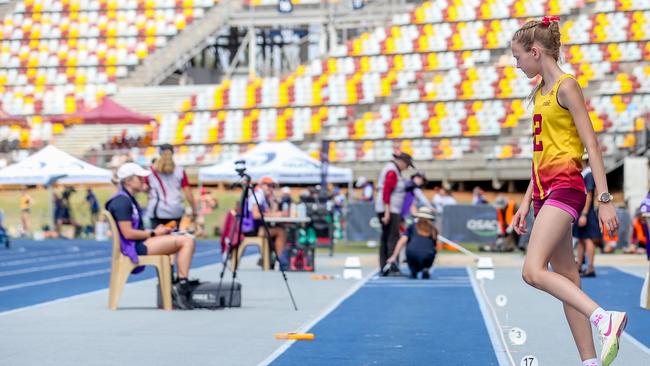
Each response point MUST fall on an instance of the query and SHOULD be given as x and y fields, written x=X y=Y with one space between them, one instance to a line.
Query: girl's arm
x=422 y=198
x=570 y=96
x=519 y=220
x=398 y=248
x=528 y=196
x=187 y=191
x=435 y=238
x=130 y=233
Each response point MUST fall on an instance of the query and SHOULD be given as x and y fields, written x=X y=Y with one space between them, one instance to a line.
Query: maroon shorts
x=570 y=200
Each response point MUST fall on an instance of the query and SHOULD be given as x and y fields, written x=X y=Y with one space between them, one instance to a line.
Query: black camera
x=240 y=167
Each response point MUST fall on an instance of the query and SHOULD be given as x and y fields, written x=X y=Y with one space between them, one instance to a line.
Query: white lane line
x=34 y=253
x=68 y=298
x=54 y=279
x=419 y=283
x=635 y=342
x=105 y=258
x=315 y=321
x=631 y=273
x=413 y=286
x=504 y=357
x=626 y=335
x=18 y=262
x=78 y=275
x=55 y=266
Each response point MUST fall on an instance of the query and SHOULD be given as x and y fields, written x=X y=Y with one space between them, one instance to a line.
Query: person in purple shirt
x=644 y=209
x=135 y=240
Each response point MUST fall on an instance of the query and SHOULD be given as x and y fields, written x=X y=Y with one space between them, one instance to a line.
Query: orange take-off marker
x=319 y=277
x=296 y=336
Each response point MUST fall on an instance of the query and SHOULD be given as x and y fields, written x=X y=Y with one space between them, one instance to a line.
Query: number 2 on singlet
x=537 y=130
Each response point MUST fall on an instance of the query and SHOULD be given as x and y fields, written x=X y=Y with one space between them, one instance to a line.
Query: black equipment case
x=208 y=295
x=204 y=295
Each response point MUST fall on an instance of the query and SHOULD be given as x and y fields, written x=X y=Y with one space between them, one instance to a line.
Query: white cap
x=361 y=181
x=131 y=169
x=286 y=190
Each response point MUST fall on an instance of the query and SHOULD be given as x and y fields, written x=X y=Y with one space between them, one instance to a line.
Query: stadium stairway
x=78 y=139
x=182 y=48
x=155 y=100
x=6 y=7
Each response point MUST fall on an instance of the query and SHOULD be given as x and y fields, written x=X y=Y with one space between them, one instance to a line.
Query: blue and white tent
x=48 y=164
x=283 y=161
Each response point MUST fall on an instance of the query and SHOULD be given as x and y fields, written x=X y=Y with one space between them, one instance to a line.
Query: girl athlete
x=561 y=131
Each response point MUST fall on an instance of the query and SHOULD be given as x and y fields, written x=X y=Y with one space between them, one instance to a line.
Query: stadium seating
x=59 y=55
x=387 y=62
x=434 y=82
x=274 y=3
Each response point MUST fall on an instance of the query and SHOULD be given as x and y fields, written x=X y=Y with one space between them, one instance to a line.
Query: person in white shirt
x=442 y=198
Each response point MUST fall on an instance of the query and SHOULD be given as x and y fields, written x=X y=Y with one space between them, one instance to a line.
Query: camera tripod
x=236 y=235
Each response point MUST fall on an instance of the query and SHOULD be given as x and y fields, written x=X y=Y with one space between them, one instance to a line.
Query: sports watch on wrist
x=605 y=197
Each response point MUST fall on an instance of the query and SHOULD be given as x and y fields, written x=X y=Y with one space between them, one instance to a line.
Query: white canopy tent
x=282 y=161
x=49 y=163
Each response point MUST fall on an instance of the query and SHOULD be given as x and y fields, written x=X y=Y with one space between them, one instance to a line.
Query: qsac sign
x=483 y=227
x=470 y=224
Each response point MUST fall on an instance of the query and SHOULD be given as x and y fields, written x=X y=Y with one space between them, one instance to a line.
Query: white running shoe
x=609 y=338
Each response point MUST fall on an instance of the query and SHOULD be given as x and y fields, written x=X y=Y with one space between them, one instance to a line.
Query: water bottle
x=302 y=210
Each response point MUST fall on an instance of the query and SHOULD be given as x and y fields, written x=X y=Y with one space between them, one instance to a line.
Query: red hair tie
x=548 y=20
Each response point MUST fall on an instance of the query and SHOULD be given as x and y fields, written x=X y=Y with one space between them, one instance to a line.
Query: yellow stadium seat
x=596 y=122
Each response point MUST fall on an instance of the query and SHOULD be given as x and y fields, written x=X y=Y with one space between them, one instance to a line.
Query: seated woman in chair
x=136 y=241
x=264 y=193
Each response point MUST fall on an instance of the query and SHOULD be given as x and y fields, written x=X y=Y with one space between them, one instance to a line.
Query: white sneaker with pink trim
x=610 y=335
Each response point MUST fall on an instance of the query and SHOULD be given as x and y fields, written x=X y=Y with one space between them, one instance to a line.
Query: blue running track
x=617 y=290
x=33 y=272
x=398 y=321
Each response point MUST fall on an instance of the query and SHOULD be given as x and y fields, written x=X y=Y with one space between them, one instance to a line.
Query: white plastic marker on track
x=501 y=300
x=517 y=336
x=529 y=360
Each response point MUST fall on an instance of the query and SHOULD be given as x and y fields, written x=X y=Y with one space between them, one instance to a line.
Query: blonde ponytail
x=546 y=32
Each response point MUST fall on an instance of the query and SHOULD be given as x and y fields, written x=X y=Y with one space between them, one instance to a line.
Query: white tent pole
x=50 y=214
x=199 y=204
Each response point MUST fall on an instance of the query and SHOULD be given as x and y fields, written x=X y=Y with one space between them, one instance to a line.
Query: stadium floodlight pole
x=324 y=161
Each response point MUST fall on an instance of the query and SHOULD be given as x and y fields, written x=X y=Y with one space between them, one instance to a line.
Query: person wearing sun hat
x=391 y=191
x=420 y=240
x=136 y=241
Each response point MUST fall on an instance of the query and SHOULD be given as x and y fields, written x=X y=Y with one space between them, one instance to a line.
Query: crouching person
x=420 y=240
x=135 y=240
